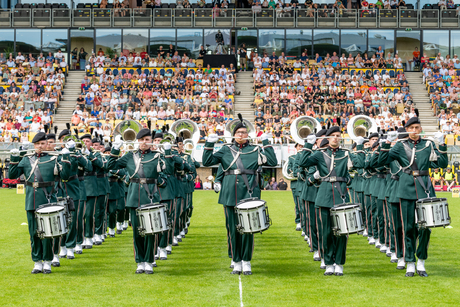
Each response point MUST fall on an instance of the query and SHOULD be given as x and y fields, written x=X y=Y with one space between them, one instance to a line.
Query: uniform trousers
x=113 y=208
x=375 y=219
x=368 y=209
x=179 y=208
x=89 y=216
x=412 y=233
x=312 y=230
x=241 y=245
x=381 y=220
x=41 y=249
x=163 y=238
x=397 y=229
x=143 y=246
x=101 y=209
x=296 y=204
x=79 y=225
x=334 y=247
x=303 y=214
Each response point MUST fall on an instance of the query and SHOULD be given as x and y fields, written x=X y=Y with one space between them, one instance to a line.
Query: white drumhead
x=251 y=204
x=50 y=209
x=346 y=207
x=149 y=207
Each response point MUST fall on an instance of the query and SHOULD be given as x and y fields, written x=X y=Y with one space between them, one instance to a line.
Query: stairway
x=422 y=101
x=66 y=107
x=243 y=102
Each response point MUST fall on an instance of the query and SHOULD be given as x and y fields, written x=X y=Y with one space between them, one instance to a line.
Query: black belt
x=113 y=179
x=143 y=180
x=81 y=178
x=381 y=176
x=334 y=179
x=395 y=177
x=241 y=172
x=40 y=184
x=416 y=173
x=89 y=174
x=70 y=178
x=100 y=175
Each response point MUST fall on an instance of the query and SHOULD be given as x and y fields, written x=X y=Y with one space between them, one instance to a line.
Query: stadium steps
x=422 y=101
x=246 y=98
x=66 y=108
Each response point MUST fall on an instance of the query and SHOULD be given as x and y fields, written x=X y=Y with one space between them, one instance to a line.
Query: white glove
x=217 y=187
x=359 y=140
x=311 y=139
x=382 y=141
x=264 y=136
x=25 y=144
x=65 y=150
x=212 y=138
x=316 y=175
x=70 y=144
x=167 y=146
x=87 y=151
x=439 y=137
x=14 y=152
x=117 y=144
x=392 y=135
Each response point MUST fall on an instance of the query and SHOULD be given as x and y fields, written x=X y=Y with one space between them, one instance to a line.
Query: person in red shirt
x=38 y=118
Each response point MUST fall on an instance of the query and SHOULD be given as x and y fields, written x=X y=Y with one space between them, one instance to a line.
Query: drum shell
x=51 y=224
x=432 y=212
x=153 y=219
x=252 y=218
x=347 y=219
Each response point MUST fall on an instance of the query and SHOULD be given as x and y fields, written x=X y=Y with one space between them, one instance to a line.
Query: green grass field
x=197 y=272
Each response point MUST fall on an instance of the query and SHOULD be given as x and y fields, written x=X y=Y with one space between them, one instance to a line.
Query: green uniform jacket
x=219 y=175
x=72 y=188
x=173 y=162
x=91 y=182
x=379 y=187
x=47 y=164
x=369 y=174
x=116 y=192
x=194 y=164
x=311 y=187
x=301 y=175
x=137 y=195
x=102 y=181
x=358 y=165
x=392 y=184
x=233 y=187
x=190 y=176
x=327 y=195
x=409 y=187
x=290 y=167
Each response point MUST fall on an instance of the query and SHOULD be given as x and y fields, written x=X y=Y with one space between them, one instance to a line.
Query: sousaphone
x=302 y=127
x=361 y=125
x=232 y=124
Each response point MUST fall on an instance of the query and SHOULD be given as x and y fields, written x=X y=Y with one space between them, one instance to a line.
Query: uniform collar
x=241 y=146
x=334 y=150
x=144 y=152
x=415 y=142
x=40 y=155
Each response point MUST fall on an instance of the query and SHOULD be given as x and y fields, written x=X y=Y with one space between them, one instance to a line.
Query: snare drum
x=252 y=215
x=152 y=219
x=51 y=221
x=432 y=212
x=347 y=219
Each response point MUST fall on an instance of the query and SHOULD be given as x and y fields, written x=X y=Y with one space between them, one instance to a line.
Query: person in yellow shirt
x=449 y=179
x=436 y=178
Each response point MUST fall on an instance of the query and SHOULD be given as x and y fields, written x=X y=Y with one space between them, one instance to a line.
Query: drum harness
x=143 y=180
x=34 y=161
x=332 y=176
x=415 y=172
x=240 y=167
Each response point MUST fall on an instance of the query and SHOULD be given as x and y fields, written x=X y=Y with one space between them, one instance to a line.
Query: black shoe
x=119 y=232
x=125 y=228
x=156 y=257
x=36 y=271
x=400 y=267
x=55 y=264
x=154 y=265
x=394 y=261
x=338 y=274
x=186 y=231
x=140 y=271
x=163 y=258
x=148 y=272
x=235 y=272
x=168 y=252
x=179 y=239
x=247 y=273
x=409 y=274
x=311 y=250
x=422 y=273
x=98 y=243
x=232 y=266
x=79 y=252
x=323 y=267
x=317 y=259
x=175 y=244
x=71 y=257
x=328 y=273
x=46 y=271
x=112 y=236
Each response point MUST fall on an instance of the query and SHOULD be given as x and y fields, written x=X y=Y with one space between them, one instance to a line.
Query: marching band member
x=180 y=196
x=332 y=164
x=116 y=200
x=39 y=169
x=145 y=175
x=191 y=188
x=240 y=162
x=294 y=184
x=368 y=179
x=416 y=156
x=359 y=181
x=167 y=194
x=93 y=191
x=300 y=187
x=309 y=197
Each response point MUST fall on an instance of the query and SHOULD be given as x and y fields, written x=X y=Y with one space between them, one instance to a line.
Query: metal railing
x=249 y=18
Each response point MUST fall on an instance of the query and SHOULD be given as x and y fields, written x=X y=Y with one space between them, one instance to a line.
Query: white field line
x=241 y=292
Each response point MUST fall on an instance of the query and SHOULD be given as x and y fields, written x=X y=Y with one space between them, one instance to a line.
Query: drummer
x=415 y=155
x=332 y=164
x=142 y=165
x=39 y=169
x=241 y=181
